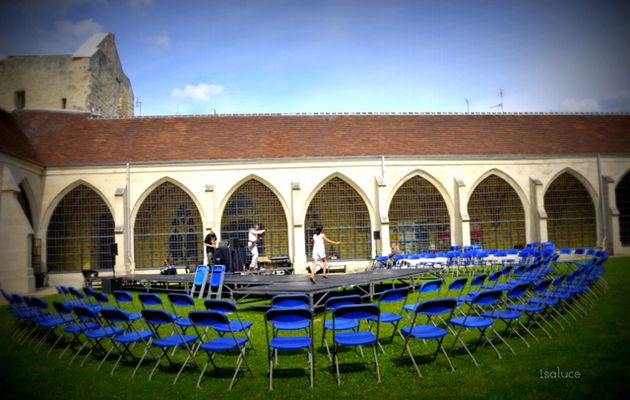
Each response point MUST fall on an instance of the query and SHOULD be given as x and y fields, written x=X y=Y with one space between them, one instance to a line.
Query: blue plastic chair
x=123 y=297
x=371 y=314
x=201 y=321
x=275 y=343
x=331 y=305
x=88 y=316
x=429 y=331
x=434 y=285
x=200 y=280
x=238 y=325
x=473 y=320
x=399 y=295
x=184 y=302
x=130 y=337
x=159 y=318
x=216 y=281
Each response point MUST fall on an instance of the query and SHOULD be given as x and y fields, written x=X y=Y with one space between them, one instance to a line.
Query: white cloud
x=66 y=37
x=582 y=105
x=200 y=92
x=140 y=3
x=81 y=29
x=162 y=40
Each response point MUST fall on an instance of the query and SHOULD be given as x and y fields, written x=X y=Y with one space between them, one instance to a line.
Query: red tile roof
x=56 y=138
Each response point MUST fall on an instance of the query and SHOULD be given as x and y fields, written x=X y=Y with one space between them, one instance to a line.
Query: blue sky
x=238 y=56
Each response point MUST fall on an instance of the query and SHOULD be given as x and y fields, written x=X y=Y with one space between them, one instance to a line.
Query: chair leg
x=378 y=370
x=413 y=360
x=270 y=373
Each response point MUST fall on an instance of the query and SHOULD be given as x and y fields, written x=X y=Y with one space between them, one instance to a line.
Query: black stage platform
x=242 y=287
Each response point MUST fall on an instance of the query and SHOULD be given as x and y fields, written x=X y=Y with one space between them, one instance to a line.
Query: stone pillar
x=461 y=234
x=538 y=223
x=613 y=235
x=381 y=247
x=122 y=265
x=296 y=227
x=209 y=203
x=16 y=273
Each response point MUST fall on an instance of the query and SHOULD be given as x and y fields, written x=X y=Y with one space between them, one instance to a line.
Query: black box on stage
x=111 y=284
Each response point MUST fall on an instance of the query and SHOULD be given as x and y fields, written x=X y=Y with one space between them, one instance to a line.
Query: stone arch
x=420 y=217
x=497 y=214
x=345 y=214
x=571 y=213
x=167 y=226
x=253 y=201
x=79 y=230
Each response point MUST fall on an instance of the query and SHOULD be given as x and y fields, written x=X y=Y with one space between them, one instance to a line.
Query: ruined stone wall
x=110 y=89
x=45 y=80
x=94 y=84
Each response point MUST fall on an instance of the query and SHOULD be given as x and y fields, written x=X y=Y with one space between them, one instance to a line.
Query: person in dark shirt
x=210 y=243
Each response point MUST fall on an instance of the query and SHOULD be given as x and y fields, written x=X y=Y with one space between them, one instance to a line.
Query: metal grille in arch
x=418 y=218
x=497 y=218
x=168 y=229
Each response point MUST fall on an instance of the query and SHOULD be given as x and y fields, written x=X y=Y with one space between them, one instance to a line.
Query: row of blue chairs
x=522 y=297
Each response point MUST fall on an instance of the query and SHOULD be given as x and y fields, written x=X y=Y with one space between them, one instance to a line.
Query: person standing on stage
x=319 y=252
x=252 y=244
x=210 y=243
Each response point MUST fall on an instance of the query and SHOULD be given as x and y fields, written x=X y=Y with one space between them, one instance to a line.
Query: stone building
x=72 y=184
x=90 y=80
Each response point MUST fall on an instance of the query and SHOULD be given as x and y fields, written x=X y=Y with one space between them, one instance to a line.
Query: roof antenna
x=500 y=105
x=467 y=105
x=139 y=105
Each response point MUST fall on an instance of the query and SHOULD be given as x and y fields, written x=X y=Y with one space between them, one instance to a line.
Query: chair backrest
x=495 y=276
x=433 y=285
x=437 y=306
x=114 y=315
x=208 y=318
x=487 y=297
x=181 y=300
x=478 y=280
x=84 y=313
x=62 y=308
x=394 y=295
x=88 y=291
x=339 y=301
x=201 y=274
x=518 y=290
x=75 y=293
x=223 y=306
x=541 y=286
x=290 y=301
x=101 y=297
x=122 y=296
x=358 y=312
x=150 y=300
x=288 y=315
x=218 y=271
x=157 y=317
x=458 y=283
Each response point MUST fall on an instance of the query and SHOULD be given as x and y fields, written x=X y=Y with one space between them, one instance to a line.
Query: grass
x=596 y=346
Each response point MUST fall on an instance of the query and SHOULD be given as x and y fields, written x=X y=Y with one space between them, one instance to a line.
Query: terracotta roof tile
x=63 y=138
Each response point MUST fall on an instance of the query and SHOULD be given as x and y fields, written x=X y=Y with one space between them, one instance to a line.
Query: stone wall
x=94 y=84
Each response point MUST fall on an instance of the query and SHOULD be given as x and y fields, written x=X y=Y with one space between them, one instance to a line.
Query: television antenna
x=467 y=105
x=139 y=105
x=500 y=105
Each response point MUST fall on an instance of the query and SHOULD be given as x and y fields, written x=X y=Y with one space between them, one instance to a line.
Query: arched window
x=497 y=218
x=80 y=232
x=418 y=218
x=344 y=216
x=571 y=220
x=254 y=203
x=622 y=192
x=168 y=229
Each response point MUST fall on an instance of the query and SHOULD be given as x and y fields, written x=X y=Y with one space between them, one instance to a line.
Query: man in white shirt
x=252 y=242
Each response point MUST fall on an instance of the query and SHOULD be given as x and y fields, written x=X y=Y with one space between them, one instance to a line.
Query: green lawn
x=596 y=347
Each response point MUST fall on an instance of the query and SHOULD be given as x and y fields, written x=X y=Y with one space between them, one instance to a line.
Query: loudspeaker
x=111 y=284
x=377 y=235
x=113 y=249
